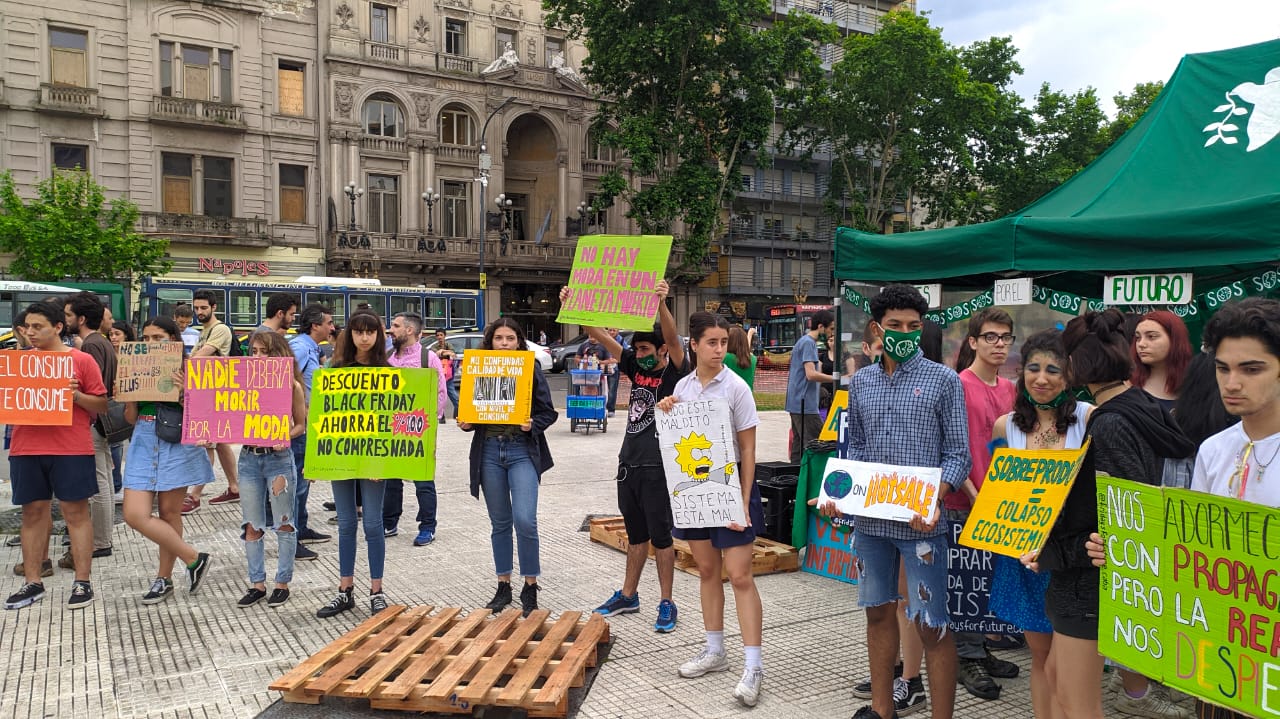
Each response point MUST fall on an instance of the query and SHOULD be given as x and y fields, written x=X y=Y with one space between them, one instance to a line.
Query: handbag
x=169 y=423
x=112 y=425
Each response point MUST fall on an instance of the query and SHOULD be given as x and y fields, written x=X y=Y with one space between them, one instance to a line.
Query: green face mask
x=1082 y=394
x=1054 y=403
x=648 y=362
x=822 y=338
x=900 y=346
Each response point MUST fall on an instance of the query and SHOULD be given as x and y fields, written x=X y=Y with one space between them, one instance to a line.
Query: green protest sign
x=1189 y=593
x=613 y=280
x=372 y=423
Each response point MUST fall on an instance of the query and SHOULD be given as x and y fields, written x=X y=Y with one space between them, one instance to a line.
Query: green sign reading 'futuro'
x=1189 y=592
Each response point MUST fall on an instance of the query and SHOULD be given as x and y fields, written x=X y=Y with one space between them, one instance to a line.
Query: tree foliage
x=687 y=89
x=1130 y=108
x=69 y=230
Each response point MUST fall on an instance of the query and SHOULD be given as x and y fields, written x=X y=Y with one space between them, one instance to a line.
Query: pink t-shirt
x=985 y=404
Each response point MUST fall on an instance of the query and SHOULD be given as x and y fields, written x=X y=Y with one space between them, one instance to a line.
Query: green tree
x=69 y=230
x=1130 y=108
x=1068 y=131
x=687 y=90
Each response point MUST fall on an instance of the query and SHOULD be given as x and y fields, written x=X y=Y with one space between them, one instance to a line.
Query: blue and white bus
x=244 y=302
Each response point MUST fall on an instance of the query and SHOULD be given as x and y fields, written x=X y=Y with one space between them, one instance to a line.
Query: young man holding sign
x=57 y=461
x=906 y=411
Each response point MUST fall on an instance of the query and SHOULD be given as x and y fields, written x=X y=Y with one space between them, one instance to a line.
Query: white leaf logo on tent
x=1264 y=124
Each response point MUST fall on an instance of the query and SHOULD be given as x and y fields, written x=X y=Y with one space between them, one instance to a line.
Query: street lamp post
x=486 y=163
x=352 y=192
x=504 y=204
x=430 y=197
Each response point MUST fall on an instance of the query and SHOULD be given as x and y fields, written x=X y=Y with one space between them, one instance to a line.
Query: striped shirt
x=913 y=418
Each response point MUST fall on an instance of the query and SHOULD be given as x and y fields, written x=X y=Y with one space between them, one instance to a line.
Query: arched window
x=382 y=117
x=597 y=151
x=456 y=127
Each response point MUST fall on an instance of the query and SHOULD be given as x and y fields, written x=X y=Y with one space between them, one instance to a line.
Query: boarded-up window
x=293 y=194
x=196 y=81
x=68 y=57
x=176 y=189
x=290 y=84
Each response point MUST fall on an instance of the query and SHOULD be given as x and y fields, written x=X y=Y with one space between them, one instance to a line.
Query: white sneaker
x=706 y=661
x=1153 y=705
x=748 y=690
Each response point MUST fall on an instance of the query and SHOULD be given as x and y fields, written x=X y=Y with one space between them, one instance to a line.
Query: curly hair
x=1024 y=413
x=898 y=297
x=1254 y=317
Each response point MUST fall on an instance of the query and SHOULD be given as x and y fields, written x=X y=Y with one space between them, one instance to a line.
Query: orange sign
x=35 y=388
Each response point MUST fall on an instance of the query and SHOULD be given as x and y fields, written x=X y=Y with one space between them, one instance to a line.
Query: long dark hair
x=1175 y=363
x=126 y=328
x=344 y=354
x=164 y=323
x=1198 y=410
x=509 y=323
x=739 y=347
x=1097 y=348
x=1024 y=413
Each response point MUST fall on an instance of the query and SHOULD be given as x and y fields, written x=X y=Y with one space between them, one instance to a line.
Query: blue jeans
x=344 y=497
x=613 y=390
x=300 y=514
x=117 y=453
x=452 y=390
x=258 y=473
x=510 y=484
x=393 y=504
x=925 y=561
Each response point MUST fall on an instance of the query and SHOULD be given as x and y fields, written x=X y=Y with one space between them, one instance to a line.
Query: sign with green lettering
x=372 y=423
x=1189 y=592
x=1168 y=289
x=613 y=280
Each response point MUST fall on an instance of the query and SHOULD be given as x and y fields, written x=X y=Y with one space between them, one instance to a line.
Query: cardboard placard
x=497 y=387
x=238 y=400
x=700 y=458
x=1021 y=496
x=35 y=388
x=613 y=280
x=145 y=372
x=970 y=573
x=837 y=423
x=881 y=491
x=1189 y=593
x=829 y=550
x=372 y=423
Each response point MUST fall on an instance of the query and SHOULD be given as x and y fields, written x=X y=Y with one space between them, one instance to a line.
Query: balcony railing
x=66 y=98
x=455 y=63
x=251 y=231
x=201 y=112
x=843 y=13
x=378 y=143
x=778 y=190
x=404 y=247
x=781 y=239
x=598 y=167
x=383 y=52
x=464 y=154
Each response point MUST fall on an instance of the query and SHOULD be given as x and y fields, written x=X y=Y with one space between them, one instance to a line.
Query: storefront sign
x=244 y=268
x=1012 y=292
x=1167 y=289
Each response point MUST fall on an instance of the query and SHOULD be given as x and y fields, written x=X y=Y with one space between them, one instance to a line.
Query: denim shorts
x=154 y=465
x=925 y=560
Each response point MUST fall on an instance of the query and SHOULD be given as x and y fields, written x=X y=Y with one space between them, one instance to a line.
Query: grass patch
x=770 y=401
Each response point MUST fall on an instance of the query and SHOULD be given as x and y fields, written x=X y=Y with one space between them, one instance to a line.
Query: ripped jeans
x=258 y=475
x=925 y=561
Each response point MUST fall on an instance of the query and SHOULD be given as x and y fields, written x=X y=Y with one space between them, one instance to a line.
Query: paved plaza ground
x=200 y=656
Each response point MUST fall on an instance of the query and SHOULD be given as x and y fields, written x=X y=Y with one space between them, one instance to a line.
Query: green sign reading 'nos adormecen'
x=1189 y=592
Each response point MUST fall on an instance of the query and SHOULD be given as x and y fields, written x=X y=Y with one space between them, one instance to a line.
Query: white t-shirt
x=1219 y=461
x=727 y=386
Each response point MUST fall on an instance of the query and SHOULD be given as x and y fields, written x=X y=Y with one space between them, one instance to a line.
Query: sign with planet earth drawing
x=700 y=460
x=880 y=491
x=148 y=371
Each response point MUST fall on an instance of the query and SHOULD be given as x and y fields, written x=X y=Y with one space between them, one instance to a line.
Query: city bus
x=242 y=303
x=780 y=330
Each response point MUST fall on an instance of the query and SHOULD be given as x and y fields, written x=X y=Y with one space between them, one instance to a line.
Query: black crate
x=778 y=494
x=768 y=470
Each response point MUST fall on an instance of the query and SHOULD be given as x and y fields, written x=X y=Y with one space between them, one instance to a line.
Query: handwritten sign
x=238 y=400
x=1021 y=497
x=145 y=371
x=700 y=457
x=1189 y=593
x=35 y=388
x=881 y=491
x=497 y=387
x=613 y=280
x=829 y=551
x=372 y=423
x=970 y=573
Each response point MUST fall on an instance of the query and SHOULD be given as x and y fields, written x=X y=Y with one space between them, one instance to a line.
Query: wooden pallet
x=767 y=557
x=413 y=660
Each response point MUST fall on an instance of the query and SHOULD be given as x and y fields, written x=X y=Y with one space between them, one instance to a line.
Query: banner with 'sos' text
x=372 y=423
x=613 y=280
x=238 y=400
x=1189 y=594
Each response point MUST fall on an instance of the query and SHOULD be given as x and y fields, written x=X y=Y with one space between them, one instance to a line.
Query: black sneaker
x=908 y=696
x=999 y=668
x=161 y=589
x=14 y=541
x=66 y=537
x=251 y=597
x=868 y=713
x=81 y=595
x=501 y=598
x=195 y=575
x=862 y=690
x=529 y=598
x=311 y=536
x=331 y=506
x=278 y=598
x=25 y=597
x=100 y=553
x=344 y=602
x=377 y=602
x=976 y=680
x=390 y=531
x=303 y=554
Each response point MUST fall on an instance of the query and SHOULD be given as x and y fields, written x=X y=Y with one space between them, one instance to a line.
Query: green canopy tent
x=1193 y=186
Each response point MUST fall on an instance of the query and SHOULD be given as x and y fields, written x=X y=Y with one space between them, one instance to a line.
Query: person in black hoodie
x=1131 y=435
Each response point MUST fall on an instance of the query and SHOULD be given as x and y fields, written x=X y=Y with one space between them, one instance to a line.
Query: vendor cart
x=588 y=390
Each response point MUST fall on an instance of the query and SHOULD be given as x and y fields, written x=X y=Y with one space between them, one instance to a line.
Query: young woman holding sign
x=730 y=547
x=158 y=471
x=1045 y=416
x=362 y=344
x=507 y=462
x=267 y=475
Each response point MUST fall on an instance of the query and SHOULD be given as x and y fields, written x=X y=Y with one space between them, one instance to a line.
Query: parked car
x=464 y=341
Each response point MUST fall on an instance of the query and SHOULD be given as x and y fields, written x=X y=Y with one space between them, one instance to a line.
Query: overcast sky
x=1108 y=44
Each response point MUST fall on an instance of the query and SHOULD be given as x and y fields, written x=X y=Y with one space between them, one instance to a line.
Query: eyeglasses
x=992 y=338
